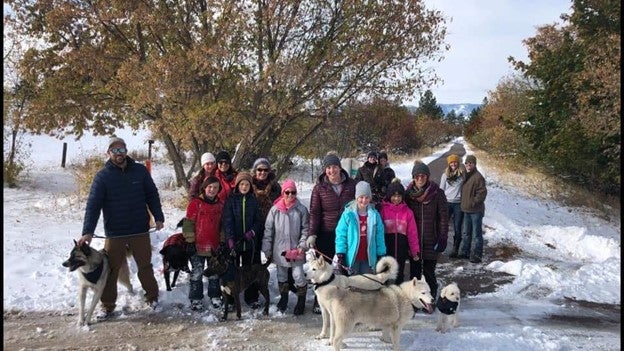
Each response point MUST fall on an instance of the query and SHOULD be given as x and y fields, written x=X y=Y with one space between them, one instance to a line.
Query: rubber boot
x=283 y=301
x=301 y=297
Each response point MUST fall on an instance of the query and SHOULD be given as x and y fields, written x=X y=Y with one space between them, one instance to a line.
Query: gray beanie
x=331 y=160
x=261 y=161
x=420 y=168
x=472 y=159
x=363 y=188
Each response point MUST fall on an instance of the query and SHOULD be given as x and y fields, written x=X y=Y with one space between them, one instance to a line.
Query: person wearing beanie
x=473 y=196
x=401 y=234
x=208 y=168
x=201 y=228
x=451 y=183
x=226 y=174
x=242 y=222
x=266 y=190
x=126 y=221
x=334 y=188
x=428 y=203
x=286 y=232
x=359 y=234
x=370 y=172
x=386 y=176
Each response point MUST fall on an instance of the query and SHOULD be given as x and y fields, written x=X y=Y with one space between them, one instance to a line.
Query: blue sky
x=482 y=34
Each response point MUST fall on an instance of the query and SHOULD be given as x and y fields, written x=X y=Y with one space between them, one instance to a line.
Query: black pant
x=326 y=244
x=249 y=257
x=397 y=247
x=426 y=267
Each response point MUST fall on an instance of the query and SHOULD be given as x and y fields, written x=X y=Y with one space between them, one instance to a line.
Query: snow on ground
x=567 y=255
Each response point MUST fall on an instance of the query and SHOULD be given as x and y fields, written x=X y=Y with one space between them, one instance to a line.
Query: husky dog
x=320 y=273
x=448 y=305
x=94 y=269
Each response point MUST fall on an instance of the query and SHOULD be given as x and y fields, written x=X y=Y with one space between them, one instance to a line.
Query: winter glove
x=340 y=264
x=249 y=235
x=191 y=249
x=311 y=241
x=230 y=244
x=233 y=253
x=440 y=246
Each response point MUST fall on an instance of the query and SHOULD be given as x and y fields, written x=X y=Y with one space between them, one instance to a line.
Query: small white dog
x=448 y=305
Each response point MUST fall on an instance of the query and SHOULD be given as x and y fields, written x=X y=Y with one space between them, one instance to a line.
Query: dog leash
x=125 y=236
x=346 y=268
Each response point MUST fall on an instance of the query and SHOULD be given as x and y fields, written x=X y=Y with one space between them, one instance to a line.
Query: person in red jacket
x=226 y=174
x=202 y=232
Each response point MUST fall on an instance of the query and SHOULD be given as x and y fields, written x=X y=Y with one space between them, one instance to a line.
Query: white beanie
x=207 y=157
x=363 y=188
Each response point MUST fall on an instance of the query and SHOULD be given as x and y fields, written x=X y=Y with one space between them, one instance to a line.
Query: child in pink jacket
x=401 y=233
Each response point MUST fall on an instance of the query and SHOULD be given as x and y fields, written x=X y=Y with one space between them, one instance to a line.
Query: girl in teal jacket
x=359 y=234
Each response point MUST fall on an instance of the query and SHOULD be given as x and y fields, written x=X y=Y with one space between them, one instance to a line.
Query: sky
x=482 y=35
x=566 y=254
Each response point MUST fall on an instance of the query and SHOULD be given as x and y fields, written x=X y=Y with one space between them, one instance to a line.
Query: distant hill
x=464 y=108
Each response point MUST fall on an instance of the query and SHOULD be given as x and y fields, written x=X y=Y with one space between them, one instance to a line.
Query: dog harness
x=95 y=274
x=446 y=306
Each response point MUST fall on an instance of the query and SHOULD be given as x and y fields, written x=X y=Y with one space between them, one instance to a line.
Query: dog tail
x=387 y=269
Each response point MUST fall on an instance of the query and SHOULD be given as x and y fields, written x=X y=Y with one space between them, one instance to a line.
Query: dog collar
x=325 y=282
x=95 y=274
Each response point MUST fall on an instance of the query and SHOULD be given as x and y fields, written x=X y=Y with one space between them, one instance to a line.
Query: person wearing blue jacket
x=360 y=238
x=125 y=193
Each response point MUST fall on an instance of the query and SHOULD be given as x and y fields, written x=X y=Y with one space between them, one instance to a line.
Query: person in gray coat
x=284 y=241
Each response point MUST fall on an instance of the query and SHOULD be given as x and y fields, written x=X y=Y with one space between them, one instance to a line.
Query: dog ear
x=85 y=249
x=75 y=242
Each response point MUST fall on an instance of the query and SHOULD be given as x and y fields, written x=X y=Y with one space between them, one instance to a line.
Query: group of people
x=355 y=221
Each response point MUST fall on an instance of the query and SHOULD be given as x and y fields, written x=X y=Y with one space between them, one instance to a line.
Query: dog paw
x=320 y=336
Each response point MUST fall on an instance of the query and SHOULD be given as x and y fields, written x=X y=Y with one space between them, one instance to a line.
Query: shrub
x=85 y=172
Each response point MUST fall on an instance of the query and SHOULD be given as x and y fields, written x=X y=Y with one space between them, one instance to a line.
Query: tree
x=220 y=74
x=428 y=106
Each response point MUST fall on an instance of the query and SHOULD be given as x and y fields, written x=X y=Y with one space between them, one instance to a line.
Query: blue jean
x=454 y=210
x=472 y=238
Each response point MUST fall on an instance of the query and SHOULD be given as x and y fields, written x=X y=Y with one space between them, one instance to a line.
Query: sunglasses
x=262 y=170
x=118 y=150
x=288 y=192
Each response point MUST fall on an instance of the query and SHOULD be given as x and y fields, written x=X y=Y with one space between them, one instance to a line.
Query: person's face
x=117 y=153
x=396 y=199
x=223 y=165
x=244 y=186
x=372 y=159
x=363 y=201
x=209 y=167
x=470 y=166
x=383 y=161
x=262 y=172
x=333 y=173
x=454 y=165
x=290 y=195
x=420 y=180
x=212 y=190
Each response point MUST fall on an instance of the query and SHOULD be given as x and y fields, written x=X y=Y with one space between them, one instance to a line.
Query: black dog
x=235 y=280
x=175 y=258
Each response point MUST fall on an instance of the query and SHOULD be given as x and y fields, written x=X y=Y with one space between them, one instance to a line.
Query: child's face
x=396 y=199
x=212 y=190
x=363 y=201
x=244 y=186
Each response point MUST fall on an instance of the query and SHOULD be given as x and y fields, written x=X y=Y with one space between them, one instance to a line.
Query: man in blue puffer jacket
x=124 y=191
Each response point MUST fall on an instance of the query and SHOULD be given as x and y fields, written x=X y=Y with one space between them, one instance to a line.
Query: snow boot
x=301 y=297
x=455 y=252
x=283 y=301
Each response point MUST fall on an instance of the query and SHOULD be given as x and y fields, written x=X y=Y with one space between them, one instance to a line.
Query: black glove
x=440 y=245
x=233 y=253
x=191 y=249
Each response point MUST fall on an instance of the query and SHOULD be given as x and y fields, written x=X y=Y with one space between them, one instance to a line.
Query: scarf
x=423 y=195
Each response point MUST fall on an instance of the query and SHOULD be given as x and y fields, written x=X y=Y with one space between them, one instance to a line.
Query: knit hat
x=372 y=154
x=383 y=154
x=261 y=161
x=207 y=157
x=395 y=188
x=362 y=188
x=223 y=156
x=471 y=158
x=288 y=184
x=452 y=158
x=420 y=168
x=113 y=140
x=331 y=160
x=243 y=175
